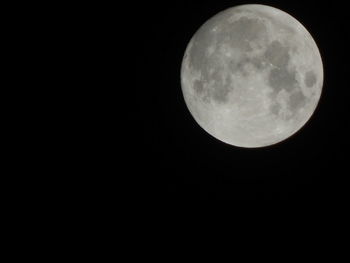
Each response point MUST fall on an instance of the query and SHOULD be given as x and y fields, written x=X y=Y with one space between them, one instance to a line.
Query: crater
x=220 y=94
x=297 y=100
x=275 y=108
x=243 y=31
x=282 y=79
x=215 y=86
x=258 y=63
x=277 y=54
x=310 y=79
x=221 y=87
x=241 y=65
x=197 y=55
x=202 y=41
x=198 y=86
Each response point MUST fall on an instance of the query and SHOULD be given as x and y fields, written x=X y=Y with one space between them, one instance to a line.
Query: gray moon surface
x=252 y=76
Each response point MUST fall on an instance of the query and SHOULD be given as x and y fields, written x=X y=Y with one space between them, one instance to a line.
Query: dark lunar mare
x=310 y=79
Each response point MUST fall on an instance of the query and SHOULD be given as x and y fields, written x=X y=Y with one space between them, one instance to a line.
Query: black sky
x=178 y=160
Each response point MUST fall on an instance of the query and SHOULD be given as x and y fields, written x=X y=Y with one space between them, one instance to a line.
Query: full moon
x=252 y=76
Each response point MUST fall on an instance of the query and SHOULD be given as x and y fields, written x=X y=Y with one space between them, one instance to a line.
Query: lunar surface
x=252 y=76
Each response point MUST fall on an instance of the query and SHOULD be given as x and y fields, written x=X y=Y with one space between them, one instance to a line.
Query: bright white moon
x=252 y=76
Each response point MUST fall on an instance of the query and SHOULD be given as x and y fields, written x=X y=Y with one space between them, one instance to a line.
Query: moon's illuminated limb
x=252 y=76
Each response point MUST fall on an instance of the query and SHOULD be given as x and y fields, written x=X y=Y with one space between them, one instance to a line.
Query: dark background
x=176 y=159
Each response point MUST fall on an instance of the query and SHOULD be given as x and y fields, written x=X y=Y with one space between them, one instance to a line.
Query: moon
x=252 y=76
